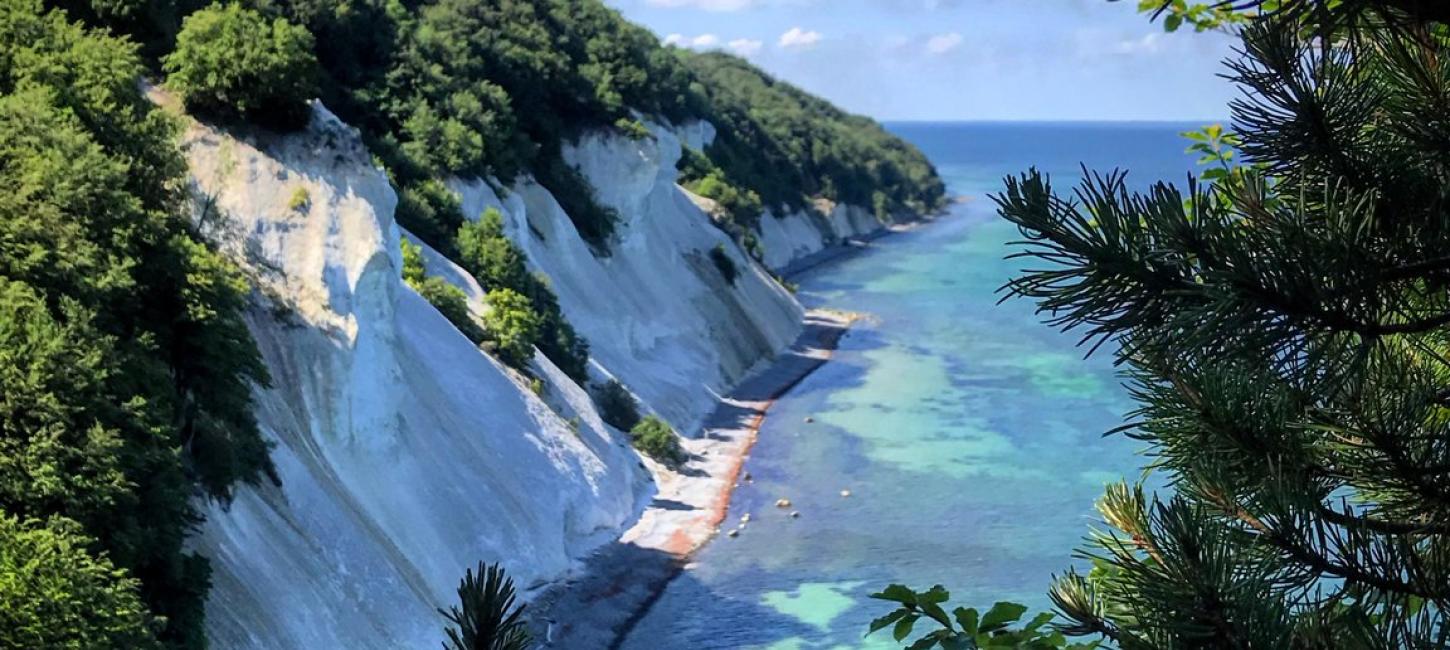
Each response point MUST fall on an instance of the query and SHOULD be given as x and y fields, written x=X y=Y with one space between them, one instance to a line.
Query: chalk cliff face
x=406 y=454
x=657 y=312
x=795 y=235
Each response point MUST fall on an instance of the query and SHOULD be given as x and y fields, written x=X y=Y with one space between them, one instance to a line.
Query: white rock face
x=797 y=234
x=406 y=455
x=657 y=312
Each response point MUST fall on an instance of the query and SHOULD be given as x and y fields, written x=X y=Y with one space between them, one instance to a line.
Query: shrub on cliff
x=446 y=298
x=453 y=304
x=232 y=64
x=512 y=326
x=724 y=264
x=616 y=406
x=498 y=263
x=431 y=212
x=656 y=439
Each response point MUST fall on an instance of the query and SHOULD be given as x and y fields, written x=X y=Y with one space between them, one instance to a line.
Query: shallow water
x=969 y=435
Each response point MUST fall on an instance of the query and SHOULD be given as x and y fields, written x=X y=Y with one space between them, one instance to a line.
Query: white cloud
x=745 y=46
x=943 y=43
x=707 y=5
x=1149 y=44
x=701 y=42
x=799 y=38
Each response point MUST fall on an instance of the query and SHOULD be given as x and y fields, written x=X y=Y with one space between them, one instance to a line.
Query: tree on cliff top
x=233 y=64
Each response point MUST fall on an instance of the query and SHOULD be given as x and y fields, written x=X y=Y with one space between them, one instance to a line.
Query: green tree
x=1284 y=330
x=512 y=326
x=450 y=301
x=489 y=254
x=55 y=594
x=616 y=406
x=232 y=64
x=128 y=370
x=487 y=616
x=453 y=304
x=498 y=263
x=657 y=439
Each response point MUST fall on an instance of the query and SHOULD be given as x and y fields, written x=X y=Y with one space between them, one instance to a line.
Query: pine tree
x=1284 y=326
x=487 y=616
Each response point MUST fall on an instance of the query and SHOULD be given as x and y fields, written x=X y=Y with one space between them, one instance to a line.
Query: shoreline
x=631 y=574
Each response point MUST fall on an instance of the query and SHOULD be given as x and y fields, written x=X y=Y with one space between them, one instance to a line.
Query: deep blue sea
x=968 y=433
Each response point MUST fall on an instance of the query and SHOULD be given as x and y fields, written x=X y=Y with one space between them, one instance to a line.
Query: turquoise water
x=968 y=434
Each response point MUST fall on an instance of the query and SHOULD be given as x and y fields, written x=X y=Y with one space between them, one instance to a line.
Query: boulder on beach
x=782 y=503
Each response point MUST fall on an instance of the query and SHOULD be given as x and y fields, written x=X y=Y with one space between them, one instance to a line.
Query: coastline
x=693 y=500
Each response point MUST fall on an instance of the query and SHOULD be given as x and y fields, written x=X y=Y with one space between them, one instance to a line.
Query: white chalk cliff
x=406 y=454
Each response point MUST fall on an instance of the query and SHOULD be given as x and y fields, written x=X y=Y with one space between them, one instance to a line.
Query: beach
x=596 y=606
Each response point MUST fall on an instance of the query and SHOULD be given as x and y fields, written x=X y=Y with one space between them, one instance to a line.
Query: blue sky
x=963 y=59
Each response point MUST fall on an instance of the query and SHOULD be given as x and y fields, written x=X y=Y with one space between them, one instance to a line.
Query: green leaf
x=887 y=620
x=937 y=614
x=1038 y=621
x=958 y=642
x=937 y=594
x=1000 y=615
x=897 y=593
x=903 y=626
x=925 y=642
x=1172 y=22
x=967 y=618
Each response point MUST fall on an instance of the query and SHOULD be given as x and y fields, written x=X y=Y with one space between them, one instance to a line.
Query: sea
x=968 y=434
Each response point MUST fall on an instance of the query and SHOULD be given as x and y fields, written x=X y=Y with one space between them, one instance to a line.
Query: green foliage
x=126 y=370
x=1284 y=330
x=632 y=128
x=489 y=255
x=232 y=64
x=965 y=628
x=656 y=439
x=595 y=223
x=497 y=263
x=300 y=200
x=512 y=326
x=787 y=146
x=415 y=270
x=1201 y=16
x=429 y=210
x=496 y=88
x=453 y=304
x=55 y=594
x=446 y=298
x=724 y=264
x=616 y=406
x=488 y=616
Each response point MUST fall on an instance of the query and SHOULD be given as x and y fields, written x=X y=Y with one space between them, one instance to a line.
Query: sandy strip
x=617 y=584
